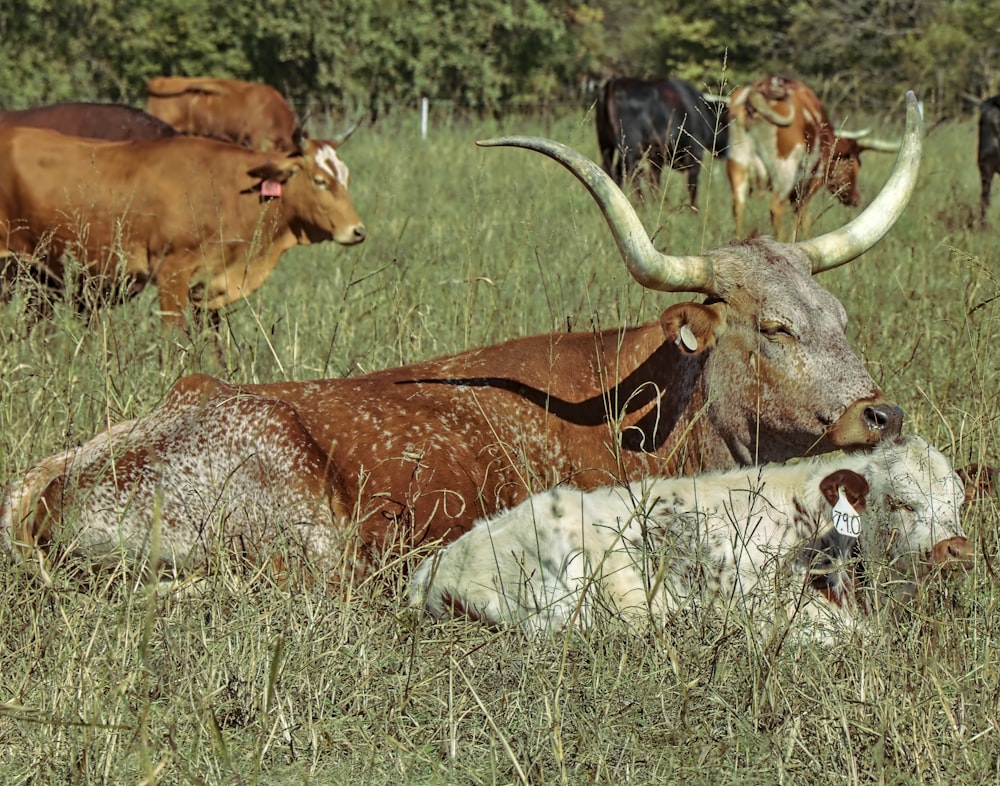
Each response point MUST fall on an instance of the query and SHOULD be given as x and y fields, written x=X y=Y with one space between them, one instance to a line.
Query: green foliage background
x=487 y=55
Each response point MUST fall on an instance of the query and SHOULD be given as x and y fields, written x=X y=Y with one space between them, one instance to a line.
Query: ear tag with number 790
x=846 y=520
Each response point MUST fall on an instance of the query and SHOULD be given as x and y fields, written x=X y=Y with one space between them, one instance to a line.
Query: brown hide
x=161 y=207
x=249 y=113
x=111 y=122
x=420 y=452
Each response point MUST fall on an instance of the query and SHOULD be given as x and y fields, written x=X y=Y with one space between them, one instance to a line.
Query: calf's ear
x=693 y=327
x=855 y=488
x=980 y=481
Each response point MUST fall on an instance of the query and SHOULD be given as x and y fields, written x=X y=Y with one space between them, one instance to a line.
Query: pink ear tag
x=270 y=188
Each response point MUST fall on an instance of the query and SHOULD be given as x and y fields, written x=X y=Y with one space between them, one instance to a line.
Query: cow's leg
x=802 y=221
x=608 y=161
x=237 y=281
x=987 y=169
x=173 y=287
x=173 y=279
x=631 y=161
x=693 y=166
x=778 y=202
x=655 y=161
x=739 y=184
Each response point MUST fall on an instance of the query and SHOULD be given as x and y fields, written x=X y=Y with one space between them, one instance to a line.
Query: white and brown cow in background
x=780 y=135
x=647 y=550
x=761 y=371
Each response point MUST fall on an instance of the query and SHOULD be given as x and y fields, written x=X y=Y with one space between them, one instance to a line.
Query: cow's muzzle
x=865 y=423
x=955 y=552
x=887 y=418
x=351 y=235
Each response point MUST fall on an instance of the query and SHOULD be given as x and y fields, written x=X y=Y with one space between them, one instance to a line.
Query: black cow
x=667 y=121
x=111 y=122
x=989 y=147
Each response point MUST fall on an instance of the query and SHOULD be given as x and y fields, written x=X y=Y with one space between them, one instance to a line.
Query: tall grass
x=237 y=681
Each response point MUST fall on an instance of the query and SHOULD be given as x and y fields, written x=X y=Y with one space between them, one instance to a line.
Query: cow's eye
x=776 y=331
x=898 y=504
x=320 y=182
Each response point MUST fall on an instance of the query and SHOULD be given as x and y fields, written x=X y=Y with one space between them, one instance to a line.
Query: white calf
x=650 y=548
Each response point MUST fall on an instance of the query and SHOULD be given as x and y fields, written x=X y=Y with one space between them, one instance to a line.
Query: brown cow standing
x=780 y=135
x=341 y=470
x=251 y=114
x=111 y=122
x=204 y=220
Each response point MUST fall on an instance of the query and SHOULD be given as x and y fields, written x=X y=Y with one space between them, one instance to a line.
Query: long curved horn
x=864 y=143
x=760 y=104
x=647 y=265
x=841 y=133
x=857 y=236
x=879 y=145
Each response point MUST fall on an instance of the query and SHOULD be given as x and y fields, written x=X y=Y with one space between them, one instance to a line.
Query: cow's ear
x=272 y=171
x=980 y=481
x=855 y=488
x=693 y=327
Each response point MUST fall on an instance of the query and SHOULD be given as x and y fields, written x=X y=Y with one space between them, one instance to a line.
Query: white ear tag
x=687 y=338
x=846 y=520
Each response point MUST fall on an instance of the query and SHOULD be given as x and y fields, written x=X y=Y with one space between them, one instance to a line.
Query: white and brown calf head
x=910 y=499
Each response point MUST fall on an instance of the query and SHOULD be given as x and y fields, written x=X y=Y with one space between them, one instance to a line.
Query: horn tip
x=911 y=100
x=498 y=141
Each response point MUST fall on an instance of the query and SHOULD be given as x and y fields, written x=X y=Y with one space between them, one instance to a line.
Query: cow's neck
x=655 y=414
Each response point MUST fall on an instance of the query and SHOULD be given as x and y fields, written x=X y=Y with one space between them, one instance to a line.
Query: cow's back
x=701 y=126
x=169 y=188
x=111 y=122
x=248 y=113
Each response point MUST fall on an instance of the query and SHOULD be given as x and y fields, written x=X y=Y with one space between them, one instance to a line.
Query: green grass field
x=239 y=682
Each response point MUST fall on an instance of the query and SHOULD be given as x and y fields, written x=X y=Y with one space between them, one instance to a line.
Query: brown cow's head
x=314 y=194
x=842 y=175
x=780 y=377
x=845 y=163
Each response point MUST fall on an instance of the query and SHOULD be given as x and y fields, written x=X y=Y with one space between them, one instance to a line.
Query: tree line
x=499 y=55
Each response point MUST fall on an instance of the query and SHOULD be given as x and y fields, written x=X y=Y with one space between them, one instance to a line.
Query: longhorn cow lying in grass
x=345 y=470
x=658 y=545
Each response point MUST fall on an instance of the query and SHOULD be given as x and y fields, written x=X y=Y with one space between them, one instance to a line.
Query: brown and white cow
x=780 y=135
x=204 y=220
x=111 y=122
x=647 y=550
x=248 y=113
x=759 y=372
